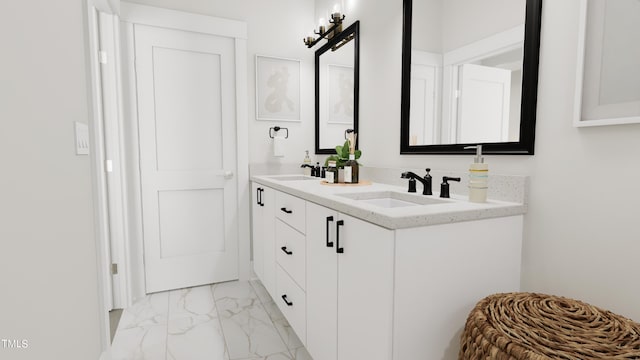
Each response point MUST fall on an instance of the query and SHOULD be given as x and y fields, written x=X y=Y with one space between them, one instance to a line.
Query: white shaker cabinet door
x=263 y=235
x=256 y=230
x=349 y=287
x=365 y=290
x=269 y=239
x=322 y=286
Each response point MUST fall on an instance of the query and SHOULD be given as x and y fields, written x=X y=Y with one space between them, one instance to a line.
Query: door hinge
x=114 y=269
x=108 y=166
x=102 y=57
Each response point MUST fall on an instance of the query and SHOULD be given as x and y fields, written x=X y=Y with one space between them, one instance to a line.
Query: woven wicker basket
x=535 y=327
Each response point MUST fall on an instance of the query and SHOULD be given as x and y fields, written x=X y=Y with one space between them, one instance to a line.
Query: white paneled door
x=187 y=133
x=484 y=104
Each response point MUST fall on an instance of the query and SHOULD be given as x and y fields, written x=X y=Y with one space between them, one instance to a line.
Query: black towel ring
x=276 y=129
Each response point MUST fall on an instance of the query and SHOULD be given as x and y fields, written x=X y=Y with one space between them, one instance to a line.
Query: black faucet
x=444 y=187
x=426 y=182
x=313 y=169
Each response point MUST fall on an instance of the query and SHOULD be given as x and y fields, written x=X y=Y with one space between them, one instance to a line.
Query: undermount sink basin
x=292 y=177
x=392 y=199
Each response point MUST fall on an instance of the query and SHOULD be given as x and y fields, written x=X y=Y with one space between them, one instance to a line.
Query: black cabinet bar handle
x=286 y=301
x=258 y=196
x=287 y=211
x=339 y=250
x=329 y=219
x=284 y=248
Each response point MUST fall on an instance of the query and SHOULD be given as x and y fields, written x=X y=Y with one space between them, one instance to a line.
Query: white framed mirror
x=608 y=63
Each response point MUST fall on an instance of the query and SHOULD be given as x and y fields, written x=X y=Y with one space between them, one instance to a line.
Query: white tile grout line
x=224 y=337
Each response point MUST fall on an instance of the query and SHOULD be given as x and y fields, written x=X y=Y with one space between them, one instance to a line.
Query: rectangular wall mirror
x=469 y=76
x=608 y=71
x=337 y=81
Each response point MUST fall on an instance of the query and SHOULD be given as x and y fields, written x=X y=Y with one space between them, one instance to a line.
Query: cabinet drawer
x=292 y=302
x=291 y=251
x=291 y=210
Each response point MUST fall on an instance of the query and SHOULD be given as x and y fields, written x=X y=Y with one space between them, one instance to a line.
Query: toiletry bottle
x=332 y=173
x=478 y=177
x=347 y=172
x=354 y=170
x=306 y=169
x=351 y=170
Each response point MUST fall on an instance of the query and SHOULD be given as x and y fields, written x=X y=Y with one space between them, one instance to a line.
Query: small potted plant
x=341 y=157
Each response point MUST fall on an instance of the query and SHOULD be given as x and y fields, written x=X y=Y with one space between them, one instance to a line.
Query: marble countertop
x=455 y=209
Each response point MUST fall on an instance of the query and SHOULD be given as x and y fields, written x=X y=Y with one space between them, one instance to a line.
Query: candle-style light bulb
x=310 y=38
x=322 y=26
x=336 y=15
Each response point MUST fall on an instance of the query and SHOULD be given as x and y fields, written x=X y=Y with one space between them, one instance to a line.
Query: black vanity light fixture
x=335 y=28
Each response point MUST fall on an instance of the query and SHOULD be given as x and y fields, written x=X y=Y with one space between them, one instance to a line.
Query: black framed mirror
x=337 y=82
x=469 y=76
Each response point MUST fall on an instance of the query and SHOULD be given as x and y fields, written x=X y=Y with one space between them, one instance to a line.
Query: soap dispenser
x=478 y=177
x=306 y=164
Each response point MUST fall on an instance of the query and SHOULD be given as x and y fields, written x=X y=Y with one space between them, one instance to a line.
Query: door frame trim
x=179 y=20
x=98 y=178
x=113 y=150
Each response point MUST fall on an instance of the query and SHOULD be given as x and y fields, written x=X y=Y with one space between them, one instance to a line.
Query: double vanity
x=374 y=272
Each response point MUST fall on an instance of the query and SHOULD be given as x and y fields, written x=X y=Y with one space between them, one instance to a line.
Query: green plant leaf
x=358 y=153
x=345 y=150
x=339 y=150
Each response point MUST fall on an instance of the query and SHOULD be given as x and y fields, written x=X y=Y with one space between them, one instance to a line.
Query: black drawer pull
x=284 y=248
x=287 y=211
x=286 y=301
x=329 y=219
x=339 y=250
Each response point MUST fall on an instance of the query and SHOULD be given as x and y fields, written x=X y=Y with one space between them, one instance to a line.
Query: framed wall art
x=608 y=75
x=277 y=88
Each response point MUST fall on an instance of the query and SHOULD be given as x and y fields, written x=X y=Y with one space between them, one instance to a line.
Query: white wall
x=443 y=25
x=48 y=268
x=276 y=28
x=467 y=21
x=581 y=238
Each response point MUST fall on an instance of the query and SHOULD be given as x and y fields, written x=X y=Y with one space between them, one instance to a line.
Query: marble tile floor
x=235 y=320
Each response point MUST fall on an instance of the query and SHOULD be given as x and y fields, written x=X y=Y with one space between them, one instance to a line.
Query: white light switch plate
x=82 y=139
